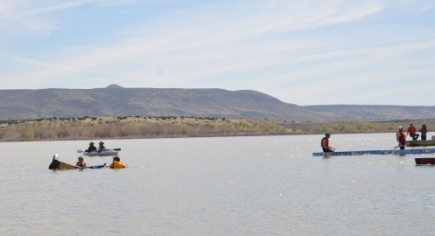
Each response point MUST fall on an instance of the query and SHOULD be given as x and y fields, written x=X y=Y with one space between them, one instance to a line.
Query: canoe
x=377 y=152
x=425 y=161
x=421 y=143
x=108 y=152
x=59 y=165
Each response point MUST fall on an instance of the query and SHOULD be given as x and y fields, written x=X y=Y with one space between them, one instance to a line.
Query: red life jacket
x=411 y=130
x=327 y=142
x=402 y=139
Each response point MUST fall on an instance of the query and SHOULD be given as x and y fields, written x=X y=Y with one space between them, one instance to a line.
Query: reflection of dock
x=377 y=152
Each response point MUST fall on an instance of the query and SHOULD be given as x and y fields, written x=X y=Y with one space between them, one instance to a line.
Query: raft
x=421 y=143
x=108 y=152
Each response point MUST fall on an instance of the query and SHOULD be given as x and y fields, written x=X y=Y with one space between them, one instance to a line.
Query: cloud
x=271 y=46
x=187 y=33
x=61 y=6
x=26 y=16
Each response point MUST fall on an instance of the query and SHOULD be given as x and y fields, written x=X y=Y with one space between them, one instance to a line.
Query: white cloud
x=62 y=6
x=262 y=45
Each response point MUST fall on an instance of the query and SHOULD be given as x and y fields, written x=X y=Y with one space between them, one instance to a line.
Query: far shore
x=136 y=127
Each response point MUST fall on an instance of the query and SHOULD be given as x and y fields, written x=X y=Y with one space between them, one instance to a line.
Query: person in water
x=101 y=147
x=325 y=143
x=411 y=132
x=117 y=164
x=401 y=138
x=423 y=132
x=81 y=163
x=91 y=147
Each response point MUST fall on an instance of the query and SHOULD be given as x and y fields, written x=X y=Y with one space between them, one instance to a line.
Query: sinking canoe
x=421 y=143
x=59 y=165
x=377 y=152
x=425 y=161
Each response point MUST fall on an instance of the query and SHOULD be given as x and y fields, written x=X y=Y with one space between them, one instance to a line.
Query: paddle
x=114 y=149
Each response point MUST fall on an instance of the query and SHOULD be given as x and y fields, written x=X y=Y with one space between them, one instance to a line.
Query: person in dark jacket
x=91 y=147
x=101 y=147
x=423 y=132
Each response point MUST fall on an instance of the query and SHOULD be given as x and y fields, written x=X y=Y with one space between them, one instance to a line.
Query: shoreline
x=107 y=128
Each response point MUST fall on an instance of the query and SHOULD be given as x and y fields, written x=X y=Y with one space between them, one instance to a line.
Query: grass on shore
x=167 y=127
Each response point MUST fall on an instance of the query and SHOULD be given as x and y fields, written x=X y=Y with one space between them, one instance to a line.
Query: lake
x=268 y=185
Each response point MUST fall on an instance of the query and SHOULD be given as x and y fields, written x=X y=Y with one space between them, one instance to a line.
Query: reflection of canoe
x=421 y=143
x=59 y=165
x=425 y=161
x=108 y=152
x=377 y=152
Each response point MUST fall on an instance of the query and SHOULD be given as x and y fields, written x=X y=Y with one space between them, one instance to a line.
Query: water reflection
x=217 y=186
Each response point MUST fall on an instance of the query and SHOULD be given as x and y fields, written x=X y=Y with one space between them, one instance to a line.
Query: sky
x=304 y=52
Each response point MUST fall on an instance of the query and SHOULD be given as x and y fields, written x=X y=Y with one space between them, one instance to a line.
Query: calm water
x=217 y=186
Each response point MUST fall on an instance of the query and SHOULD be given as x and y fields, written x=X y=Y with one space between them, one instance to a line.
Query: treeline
x=131 y=127
x=170 y=126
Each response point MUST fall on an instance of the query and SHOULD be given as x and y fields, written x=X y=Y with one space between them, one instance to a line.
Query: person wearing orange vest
x=401 y=139
x=325 y=143
x=411 y=132
x=117 y=163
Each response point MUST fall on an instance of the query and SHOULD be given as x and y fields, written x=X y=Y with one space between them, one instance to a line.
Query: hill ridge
x=115 y=100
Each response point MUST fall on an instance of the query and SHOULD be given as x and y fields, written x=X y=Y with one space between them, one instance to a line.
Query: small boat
x=108 y=152
x=59 y=165
x=377 y=152
x=421 y=143
x=425 y=161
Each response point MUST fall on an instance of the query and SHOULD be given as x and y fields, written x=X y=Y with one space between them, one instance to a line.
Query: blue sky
x=304 y=52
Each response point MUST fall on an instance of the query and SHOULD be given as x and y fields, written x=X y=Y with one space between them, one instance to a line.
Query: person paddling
x=325 y=143
x=101 y=147
x=91 y=147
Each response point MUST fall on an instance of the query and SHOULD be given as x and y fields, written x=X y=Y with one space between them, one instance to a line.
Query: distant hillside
x=118 y=101
x=115 y=100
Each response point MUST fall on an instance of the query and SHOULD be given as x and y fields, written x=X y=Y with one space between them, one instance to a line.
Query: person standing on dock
x=325 y=143
x=401 y=138
x=411 y=132
x=423 y=132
